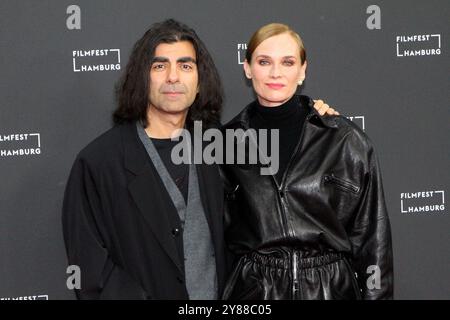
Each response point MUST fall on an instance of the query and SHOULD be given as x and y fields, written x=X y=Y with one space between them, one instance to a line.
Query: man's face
x=173 y=77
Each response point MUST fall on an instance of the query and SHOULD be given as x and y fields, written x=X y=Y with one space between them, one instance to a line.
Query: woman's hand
x=324 y=108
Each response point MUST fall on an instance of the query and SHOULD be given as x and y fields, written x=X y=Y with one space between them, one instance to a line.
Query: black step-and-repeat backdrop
x=383 y=64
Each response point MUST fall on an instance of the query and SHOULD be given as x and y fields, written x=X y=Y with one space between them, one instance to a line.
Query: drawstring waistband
x=283 y=259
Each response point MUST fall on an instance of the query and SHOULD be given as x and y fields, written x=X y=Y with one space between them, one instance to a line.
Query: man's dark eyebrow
x=186 y=59
x=179 y=60
x=160 y=59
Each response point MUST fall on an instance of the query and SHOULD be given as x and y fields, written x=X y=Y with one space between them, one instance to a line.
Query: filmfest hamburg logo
x=96 y=60
x=418 y=45
x=241 y=49
x=34 y=297
x=359 y=120
x=422 y=201
x=20 y=144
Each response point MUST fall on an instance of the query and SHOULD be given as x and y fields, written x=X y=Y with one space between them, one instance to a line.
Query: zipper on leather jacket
x=280 y=194
x=280 y=187
x=341 y=182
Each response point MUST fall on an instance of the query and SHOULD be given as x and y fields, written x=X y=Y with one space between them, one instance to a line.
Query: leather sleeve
x=371 y=238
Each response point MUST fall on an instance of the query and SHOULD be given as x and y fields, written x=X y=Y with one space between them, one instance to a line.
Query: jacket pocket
x=120 y=285
x=341 y=183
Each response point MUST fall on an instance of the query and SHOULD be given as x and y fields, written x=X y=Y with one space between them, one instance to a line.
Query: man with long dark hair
x=137 y=225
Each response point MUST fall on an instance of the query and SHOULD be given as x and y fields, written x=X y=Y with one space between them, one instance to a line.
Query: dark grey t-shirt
x=178 y=172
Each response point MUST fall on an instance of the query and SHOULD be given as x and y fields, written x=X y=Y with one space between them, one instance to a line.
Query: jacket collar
x=243 y=118
x=135 y=156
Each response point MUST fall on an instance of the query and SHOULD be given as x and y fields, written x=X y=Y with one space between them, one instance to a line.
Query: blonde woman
x=318 y=228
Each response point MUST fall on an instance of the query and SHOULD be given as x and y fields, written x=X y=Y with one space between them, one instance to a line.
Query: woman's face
x=275 y=69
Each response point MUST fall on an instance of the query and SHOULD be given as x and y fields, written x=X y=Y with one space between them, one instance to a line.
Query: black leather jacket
x=329 y=204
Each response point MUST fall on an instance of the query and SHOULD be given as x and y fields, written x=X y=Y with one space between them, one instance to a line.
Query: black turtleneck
x=289 y=119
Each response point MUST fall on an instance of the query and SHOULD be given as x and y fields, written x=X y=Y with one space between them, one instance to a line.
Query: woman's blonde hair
x=270 y=30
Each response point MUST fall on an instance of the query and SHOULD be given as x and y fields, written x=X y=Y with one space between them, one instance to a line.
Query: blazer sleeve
x=371 y=238
x=84 y=233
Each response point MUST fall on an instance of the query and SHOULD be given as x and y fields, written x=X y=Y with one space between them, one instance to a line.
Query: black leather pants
x=284 y=273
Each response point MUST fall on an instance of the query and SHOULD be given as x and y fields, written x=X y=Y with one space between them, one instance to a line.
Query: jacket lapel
x=149 y=193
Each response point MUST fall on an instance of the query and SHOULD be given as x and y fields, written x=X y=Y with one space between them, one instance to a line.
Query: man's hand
x=323 y=108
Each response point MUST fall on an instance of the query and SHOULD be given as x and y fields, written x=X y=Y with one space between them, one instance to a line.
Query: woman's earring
x=300 y=82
